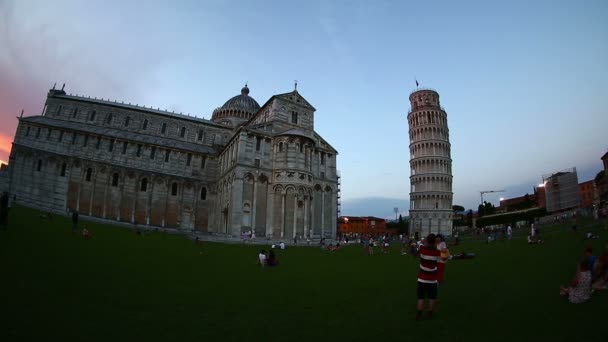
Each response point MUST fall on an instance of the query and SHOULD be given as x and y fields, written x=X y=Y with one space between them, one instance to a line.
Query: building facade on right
x=562 y=190
x=430 y=164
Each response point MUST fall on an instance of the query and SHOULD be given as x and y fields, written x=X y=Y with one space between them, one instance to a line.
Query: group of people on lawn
x=591 y=275
x=267 y=260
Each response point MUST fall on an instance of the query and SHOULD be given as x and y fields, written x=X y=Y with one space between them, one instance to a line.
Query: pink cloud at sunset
x=5 y=147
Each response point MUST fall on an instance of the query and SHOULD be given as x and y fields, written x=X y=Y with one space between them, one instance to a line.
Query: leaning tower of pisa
x=430 y=164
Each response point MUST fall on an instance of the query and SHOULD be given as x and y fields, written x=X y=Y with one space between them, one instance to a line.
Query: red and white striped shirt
x=428 y=264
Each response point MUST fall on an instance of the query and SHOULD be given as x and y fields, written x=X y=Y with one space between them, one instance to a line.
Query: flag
x=416 y=83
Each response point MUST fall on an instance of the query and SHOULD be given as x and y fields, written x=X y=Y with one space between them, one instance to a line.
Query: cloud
x=79 y=44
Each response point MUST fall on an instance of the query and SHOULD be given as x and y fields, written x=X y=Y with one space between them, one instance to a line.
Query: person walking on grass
x=427 y=276
x=74 y=222
x=509 y=232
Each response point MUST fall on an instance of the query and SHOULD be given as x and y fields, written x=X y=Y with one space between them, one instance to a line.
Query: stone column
x=79 y=190
x=295 y=215
x=135 y=197
x=253 y=204
x=149 y=202
x=334 y=214
x=93 y=192
x=322 y=213
x=305 y=216
x=282 y=215
x=269 y=208
x=166 y=185
x=312 y=216
x=236 y=207
x=105 y=192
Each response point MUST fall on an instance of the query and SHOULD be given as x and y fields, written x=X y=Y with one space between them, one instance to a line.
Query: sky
x=523 y=82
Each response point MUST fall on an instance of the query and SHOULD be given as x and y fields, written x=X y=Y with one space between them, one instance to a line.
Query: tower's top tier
x=424 y=98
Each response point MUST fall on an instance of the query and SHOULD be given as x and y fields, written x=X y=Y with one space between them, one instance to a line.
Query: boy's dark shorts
x=426 y=290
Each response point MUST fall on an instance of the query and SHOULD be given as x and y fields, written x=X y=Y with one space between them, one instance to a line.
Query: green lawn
x=121 y=286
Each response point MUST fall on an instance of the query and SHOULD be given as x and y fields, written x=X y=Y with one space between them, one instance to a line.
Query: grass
x=159 y=287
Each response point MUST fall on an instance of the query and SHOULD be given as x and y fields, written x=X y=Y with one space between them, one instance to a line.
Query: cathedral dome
x=242 y=102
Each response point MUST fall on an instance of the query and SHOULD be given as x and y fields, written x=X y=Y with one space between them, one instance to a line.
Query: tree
x=458 y=208
x=458 y=217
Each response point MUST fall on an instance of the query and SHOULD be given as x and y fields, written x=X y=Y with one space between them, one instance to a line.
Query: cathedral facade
x=251 y=167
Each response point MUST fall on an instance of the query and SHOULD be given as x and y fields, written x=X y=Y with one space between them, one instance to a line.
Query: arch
x=328 y=188
x=143 y=185
x=278 y=188
x=318 y=187
x=203 y=194
x=174 y=189
x=115 y=179
x=248 y=177
x=89 y=174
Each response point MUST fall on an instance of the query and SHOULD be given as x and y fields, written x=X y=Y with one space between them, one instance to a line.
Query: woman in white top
x=262 y=258
x=443 y=248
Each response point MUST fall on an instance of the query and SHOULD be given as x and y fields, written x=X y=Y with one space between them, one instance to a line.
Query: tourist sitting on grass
x=85 y=233
x=262 y=258
x=590 y=236
x=462 y=256
x=272 y=259
x=580 y=287
x=282 y=245
x=532 y=240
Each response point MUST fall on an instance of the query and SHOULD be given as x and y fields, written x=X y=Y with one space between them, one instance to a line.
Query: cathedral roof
x=119 y=134
x=242 y=102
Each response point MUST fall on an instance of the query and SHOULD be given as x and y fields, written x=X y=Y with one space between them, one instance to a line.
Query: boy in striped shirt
x=427 y=276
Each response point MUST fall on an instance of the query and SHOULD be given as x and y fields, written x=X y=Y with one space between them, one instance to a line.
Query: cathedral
x=249 y=168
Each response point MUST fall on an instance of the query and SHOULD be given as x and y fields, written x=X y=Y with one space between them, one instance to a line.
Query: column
x=165 y=184
x=282 y=215
x=334 y=214
x=149 y=202
x=312 y=217
x=305 y=217
x=269 y=208
x=93 y=191
x=105 y=192
x=136 y=196
x=236 y=207
x=322 y=213
x=295 y=215
x=253 y=204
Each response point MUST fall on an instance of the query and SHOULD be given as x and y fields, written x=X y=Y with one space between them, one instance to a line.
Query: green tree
x=458 y=208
